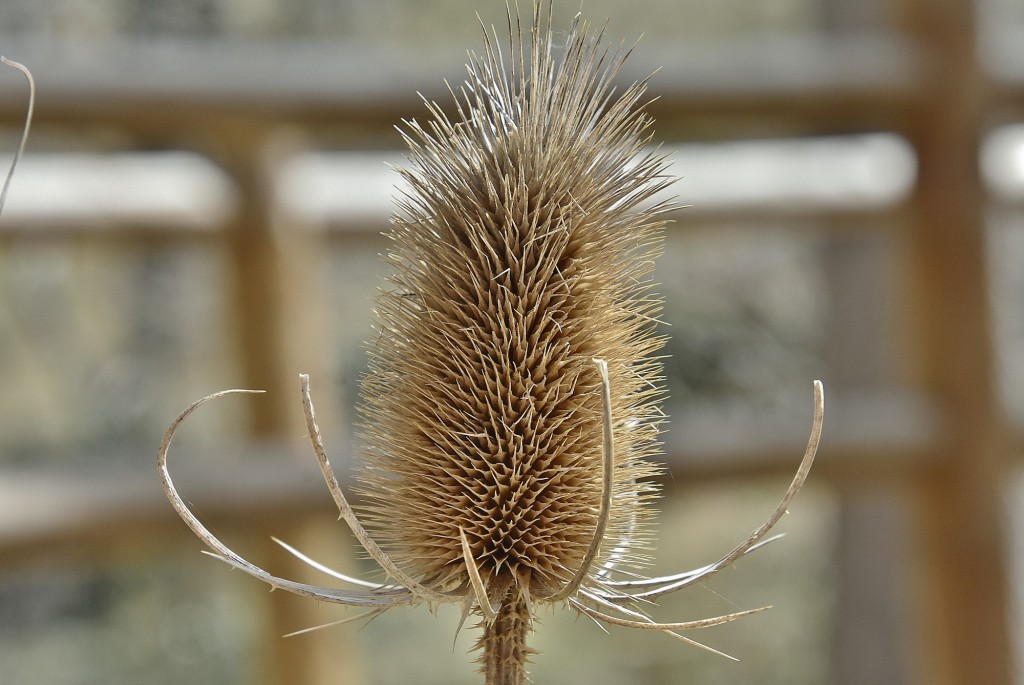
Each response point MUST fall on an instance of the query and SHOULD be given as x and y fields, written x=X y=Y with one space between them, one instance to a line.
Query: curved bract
x=522 y=250
x=510 y=412
x=624 y=597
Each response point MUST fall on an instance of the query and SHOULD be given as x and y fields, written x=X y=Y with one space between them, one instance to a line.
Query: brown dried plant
x=511 y=406
x=24 y=129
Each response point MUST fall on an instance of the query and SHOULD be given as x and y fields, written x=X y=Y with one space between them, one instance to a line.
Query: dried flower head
x=522 y=253
x=511 y=407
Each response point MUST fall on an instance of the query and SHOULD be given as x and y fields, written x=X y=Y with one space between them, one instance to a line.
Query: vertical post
x=964 y=628
x=260 y=265
x=871 y=639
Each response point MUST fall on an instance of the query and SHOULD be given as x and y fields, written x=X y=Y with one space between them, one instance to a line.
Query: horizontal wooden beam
x=147 y=85
x=145 y=191
x=355 y=192
x=88 y=514
x=265 y=486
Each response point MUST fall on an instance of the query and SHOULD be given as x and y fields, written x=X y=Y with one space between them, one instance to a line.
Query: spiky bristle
x=511 y=406
x=522 y=250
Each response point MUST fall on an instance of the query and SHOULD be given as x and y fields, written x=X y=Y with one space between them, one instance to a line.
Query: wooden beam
x=882 y=439
x=964 y=626
x=159 y=86
x=268 y=309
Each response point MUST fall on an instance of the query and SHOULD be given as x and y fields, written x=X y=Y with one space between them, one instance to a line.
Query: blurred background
x=200 y=207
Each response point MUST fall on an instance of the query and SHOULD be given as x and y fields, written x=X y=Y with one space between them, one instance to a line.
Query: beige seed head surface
x=523 y=250
x=510 y=411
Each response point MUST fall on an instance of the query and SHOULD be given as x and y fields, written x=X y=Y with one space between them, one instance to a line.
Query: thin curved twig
x=369 y=615
x=613 y=620
x=225 y=554
x=645 y=622
x=476 y=581
x=607 y=486
x=323 y=568
x=756 y=536
x=674 y=578
x=28 y=123
x=349 y=515
x=651 y=624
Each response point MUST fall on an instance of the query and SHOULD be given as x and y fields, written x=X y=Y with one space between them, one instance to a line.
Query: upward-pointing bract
x=522 y=251
x=510 y=411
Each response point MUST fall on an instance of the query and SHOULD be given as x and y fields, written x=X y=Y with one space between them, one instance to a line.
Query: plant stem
x=504 y=642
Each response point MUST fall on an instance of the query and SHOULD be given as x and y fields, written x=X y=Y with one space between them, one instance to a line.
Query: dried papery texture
x=522 y=251
x=510 y=410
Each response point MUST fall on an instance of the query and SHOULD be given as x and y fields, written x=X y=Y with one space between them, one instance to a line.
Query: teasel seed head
x=510 y=411
x=522 y=251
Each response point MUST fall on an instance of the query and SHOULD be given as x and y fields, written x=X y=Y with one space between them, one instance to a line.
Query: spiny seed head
x=510 y=409
x=522 y=250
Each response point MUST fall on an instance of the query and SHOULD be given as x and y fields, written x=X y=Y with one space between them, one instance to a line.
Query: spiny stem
x=505 y=653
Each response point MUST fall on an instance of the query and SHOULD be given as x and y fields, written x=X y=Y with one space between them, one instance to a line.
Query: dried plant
x=24 y=130
x=511 y=407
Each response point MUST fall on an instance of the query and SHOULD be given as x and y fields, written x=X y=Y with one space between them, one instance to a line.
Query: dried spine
x=24 y=130
x=511 y=405
x=522 y=252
